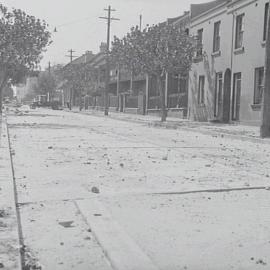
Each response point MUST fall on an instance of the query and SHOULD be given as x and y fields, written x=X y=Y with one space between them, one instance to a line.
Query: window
x=201 y=90
x=259 y=85
x=183 y=85
x=236 y=96
x=199 y=43
x=218 y=94
x=266 y=13
x=216 y=42
x=239 y=33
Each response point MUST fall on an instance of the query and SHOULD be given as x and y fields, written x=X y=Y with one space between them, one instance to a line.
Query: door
x=227 y=96
x=236 y=97
x=218 y=96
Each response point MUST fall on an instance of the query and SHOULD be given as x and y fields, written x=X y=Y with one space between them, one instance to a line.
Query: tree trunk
x=70 y=98
x=131 y=81
x=80 y=100
x=3 y=82
x=1 y=99
x=162 y=99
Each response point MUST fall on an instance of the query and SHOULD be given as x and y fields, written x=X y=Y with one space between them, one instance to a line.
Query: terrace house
x=139 y=94
x=227 y=76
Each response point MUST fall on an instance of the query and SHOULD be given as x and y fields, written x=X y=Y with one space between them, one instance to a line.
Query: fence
x=154 y=102
x=99 y=102
x=131 y=102
x=113 y=101
x=177 y=100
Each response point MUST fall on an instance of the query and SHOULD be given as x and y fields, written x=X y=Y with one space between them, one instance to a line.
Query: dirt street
x=98 y=193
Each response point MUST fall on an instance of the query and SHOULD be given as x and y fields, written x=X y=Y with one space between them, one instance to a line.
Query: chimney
x=87 y=56
x=103 y=47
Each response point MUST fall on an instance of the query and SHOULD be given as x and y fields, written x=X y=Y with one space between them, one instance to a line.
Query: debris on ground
x=95 y=190
x=3 y=225
x=30 y=261
x=66 y=224
x=261 y=261
x=3 y=213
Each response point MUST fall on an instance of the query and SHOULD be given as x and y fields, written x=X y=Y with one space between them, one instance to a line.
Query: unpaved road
x=141 y=214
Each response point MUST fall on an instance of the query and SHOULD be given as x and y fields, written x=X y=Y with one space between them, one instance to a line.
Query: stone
x=95 y=190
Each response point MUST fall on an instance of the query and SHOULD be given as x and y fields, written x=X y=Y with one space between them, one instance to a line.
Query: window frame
x=239 y=31
x=199 y=49
x=216 y=37
x=266 y=14
x=257 y=86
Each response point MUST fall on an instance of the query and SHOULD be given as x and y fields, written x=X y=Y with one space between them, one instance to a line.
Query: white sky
x=83 y=30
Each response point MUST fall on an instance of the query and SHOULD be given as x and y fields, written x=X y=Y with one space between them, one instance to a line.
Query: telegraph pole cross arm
x=71 y=55
x=265 y=123
x=109 y=19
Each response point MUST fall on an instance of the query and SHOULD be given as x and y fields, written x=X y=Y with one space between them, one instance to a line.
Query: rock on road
x=152 y=203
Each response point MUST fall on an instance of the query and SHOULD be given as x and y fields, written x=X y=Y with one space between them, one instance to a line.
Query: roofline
x=209 y=11
x=182 y=17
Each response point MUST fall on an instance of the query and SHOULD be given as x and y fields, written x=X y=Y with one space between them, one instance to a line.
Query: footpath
x=10 y=257
x=230 y=131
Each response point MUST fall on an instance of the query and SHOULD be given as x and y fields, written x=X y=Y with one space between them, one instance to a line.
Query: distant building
x=96 y=62
x=226 y=80
x=27 y=88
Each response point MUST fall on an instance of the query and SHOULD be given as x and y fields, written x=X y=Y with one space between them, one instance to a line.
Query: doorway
x=236 y=96
x=227 y=96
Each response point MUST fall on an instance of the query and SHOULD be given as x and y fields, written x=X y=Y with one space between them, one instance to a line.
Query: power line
x=73 y=22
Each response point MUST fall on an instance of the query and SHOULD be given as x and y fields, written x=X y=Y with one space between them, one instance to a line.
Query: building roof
x=179 y=18
x=199 y=9
x=85 y=58
x=176 y=20
x=98 y=60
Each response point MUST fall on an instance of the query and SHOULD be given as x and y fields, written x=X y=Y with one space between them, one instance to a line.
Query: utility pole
x=71 y=56
x=48 y=93
x=265 y=123
x=141 y=22
x=107 y=82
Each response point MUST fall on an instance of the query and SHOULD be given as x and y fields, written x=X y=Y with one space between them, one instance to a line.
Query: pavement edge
x=175 y=125
x=10 y=233
x=120 y=249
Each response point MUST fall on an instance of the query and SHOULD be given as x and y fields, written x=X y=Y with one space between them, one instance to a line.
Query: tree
x=23 y=38
x=46 y=84
x=156 y=51
x=49 y=80
x=79 y=79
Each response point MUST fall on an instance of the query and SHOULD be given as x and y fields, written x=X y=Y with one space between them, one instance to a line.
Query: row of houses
x=226 y=80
